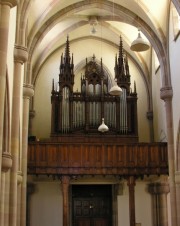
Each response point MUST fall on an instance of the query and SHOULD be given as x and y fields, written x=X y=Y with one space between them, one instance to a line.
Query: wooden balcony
x=137 y=159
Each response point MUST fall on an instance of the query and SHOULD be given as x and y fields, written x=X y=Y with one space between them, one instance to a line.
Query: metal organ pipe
x=65 y=110
x=95 y=111
x=123 y=112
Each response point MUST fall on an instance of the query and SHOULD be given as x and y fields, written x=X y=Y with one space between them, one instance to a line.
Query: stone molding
x=6 y=161
x=20 y=54
x=158 y=188
x=32 y=113
x=19 y=177
x=10 y=3
x=28 y=90
x=166 y=93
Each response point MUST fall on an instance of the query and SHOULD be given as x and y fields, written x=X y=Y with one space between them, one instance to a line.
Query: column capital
x=166 y=93
x=10 y=3
x=32 y=113
x=158 y=188
x=28 y=90
x=65 y=180
x=19 y=177
x=6 y=161
x=20 y=54
x=131 y=181
x=149 y=115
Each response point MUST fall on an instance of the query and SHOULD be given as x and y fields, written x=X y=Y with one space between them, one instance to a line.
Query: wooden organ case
x=81 y=112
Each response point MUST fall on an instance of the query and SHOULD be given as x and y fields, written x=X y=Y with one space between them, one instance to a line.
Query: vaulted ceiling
x=49 y=22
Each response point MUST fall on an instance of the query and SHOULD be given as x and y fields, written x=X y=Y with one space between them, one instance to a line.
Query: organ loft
x=77 y=149
x=79 y=113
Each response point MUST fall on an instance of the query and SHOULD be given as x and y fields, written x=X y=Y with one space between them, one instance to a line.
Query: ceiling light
x=115 y=90
x=139 y=44
x=93 y=23
x=93 y=30
x=103 y=128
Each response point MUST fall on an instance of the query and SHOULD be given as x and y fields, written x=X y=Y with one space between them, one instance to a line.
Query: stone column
x=19 y=186
x=28 y=92
x=151 y=129
x=30 y=191
x=166 y=95
x=6 y=165
x=2 y=199
x=159 y=193
x=5 y=7
x=177 y=178
x=131 y=184
x=20 y=56
x=32 y=114
x=65 y=190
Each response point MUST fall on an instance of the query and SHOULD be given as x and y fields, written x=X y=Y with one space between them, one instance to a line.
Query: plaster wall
x=46 y=205
x=159 y=120
x=174 y=56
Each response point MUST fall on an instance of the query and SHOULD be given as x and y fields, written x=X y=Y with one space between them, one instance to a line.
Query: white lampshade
x=93 y=30
x=103 y=128
x=139 y=45
x=115 y=90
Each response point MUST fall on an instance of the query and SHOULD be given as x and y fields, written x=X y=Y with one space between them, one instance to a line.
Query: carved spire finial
x=67 y=50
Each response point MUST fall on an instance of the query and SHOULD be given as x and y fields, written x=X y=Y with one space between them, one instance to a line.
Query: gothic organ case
x=81 y=112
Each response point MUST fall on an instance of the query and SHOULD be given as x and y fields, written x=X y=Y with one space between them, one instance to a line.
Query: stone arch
x=131 y=18
x=177 y=5
x=142 y=73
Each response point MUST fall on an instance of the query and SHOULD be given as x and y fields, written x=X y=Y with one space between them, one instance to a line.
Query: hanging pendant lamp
x=139 y=44
x=115 y=90
x=93 y=24
x=103 y=128
x=93 y=30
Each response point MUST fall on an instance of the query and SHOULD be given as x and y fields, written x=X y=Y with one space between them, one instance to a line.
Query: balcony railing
x=137 y=159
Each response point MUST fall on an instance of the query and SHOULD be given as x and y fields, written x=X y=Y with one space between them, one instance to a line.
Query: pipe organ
x=81 y=112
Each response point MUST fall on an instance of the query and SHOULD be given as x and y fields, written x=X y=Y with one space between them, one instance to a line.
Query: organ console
x=81 y=112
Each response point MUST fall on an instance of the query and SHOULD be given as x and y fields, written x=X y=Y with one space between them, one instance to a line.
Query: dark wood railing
x=137 y=159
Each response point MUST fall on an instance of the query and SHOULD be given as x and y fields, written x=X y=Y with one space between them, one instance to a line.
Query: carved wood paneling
x=88 y=158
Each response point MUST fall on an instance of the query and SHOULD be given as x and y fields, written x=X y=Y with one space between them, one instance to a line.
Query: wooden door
x=92 y=205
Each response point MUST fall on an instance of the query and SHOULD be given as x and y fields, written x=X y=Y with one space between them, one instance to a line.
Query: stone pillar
x=30 y=191
x=151 y=129
x=28 y=92
x=32 y=114
x=166 y=95
x=20 y=56
x=5 y=7
x=177 y=179
x=19 y=183
x=131 y=184
x=6 y=165
x=159 y=193
x=2 y=199
x=65 y=190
